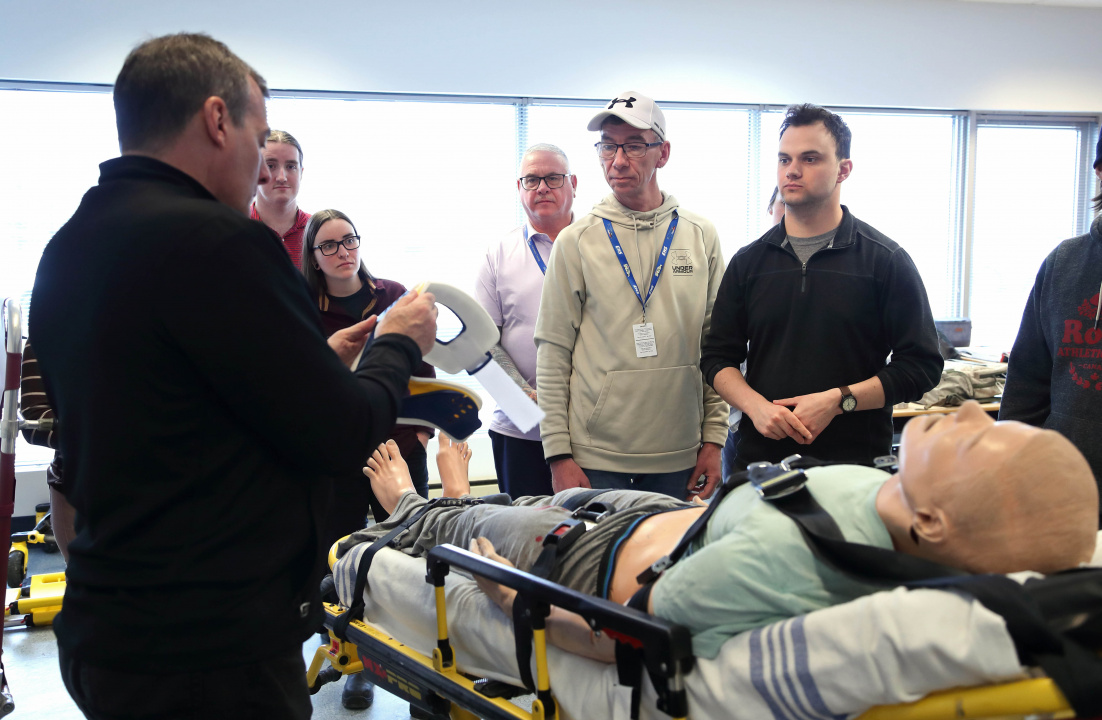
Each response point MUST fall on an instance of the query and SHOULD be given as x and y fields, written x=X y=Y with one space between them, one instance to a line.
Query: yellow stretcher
x=436 y=684
x=37 y=602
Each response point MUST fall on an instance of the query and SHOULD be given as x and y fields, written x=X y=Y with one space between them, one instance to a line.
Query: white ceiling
x=1064 y=3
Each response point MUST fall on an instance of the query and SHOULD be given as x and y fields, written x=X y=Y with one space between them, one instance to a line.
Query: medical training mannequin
x=969 y=493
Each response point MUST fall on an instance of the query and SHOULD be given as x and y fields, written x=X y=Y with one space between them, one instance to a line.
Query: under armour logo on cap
x=635 y=109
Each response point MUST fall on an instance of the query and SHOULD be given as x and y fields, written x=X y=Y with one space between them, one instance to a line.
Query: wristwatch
x=849 y=403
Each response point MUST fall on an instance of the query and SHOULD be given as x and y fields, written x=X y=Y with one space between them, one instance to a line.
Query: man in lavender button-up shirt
x=509 y=286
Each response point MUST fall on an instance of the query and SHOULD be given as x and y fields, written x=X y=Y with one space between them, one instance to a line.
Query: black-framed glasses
x=607 y=150
x=554 y=181
x=329 y=247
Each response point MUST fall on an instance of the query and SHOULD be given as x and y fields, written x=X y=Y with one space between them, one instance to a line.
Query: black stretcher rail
x=664 y=647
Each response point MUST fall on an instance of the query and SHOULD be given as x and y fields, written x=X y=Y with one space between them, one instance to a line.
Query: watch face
x=849 y=403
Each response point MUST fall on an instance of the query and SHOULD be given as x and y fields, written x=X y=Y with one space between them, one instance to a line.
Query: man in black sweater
x=199 y=439
x=815 y=307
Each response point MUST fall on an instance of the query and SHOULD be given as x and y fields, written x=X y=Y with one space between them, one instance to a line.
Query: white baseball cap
x=637 y=110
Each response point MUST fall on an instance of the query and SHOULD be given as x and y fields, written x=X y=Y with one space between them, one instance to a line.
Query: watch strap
x=846 y=393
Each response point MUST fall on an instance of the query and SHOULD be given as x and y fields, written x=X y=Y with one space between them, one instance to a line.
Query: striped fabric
x=780 y=672
x=33 y=402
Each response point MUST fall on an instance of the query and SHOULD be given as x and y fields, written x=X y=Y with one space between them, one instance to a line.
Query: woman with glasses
x=347 y=293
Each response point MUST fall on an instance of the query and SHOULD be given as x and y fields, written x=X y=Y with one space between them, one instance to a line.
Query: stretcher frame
x=437 y=685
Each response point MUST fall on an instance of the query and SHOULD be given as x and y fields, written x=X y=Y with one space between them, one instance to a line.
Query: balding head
x=997 y=497
x=1037 y=510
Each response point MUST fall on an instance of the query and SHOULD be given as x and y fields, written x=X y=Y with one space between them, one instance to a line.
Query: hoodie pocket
x=648 y=411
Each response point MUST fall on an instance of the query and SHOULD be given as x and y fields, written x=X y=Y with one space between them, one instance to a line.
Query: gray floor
x=30 y=657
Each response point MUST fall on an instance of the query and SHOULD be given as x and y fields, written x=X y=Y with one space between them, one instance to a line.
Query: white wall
x=30 y=490
x=921 y=53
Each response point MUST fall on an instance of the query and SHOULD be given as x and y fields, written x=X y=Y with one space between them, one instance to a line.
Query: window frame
x=966 y=124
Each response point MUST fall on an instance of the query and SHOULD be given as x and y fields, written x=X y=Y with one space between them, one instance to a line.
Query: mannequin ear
x=930 y=526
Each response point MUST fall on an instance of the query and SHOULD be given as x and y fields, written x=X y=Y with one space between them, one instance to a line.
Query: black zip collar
x=845 y=236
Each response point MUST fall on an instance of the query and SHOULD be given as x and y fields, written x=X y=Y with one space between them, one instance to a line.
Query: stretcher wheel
x=17 y=568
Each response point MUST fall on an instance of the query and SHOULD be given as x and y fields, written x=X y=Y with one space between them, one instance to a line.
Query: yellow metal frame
x=344 y=656
x=457 y=713
x=1038 y=696
x=43 y=601
x=337 y=652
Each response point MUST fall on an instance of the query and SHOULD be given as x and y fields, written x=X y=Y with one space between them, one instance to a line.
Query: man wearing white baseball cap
x=626 y=303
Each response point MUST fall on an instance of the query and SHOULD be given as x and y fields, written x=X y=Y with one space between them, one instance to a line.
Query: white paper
x=513 y=401
x=645 y=345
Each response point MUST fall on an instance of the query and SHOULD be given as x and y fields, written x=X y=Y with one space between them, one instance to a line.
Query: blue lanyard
x=657 y=268
x=535 y=253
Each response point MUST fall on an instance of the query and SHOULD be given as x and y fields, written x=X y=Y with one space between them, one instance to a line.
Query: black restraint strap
x=580 y=500
x=355 y=611
x=629 y=672
x=1076 y=670
x=555 y=544
x=630 y=660
x=522 y=630
x=648 y=576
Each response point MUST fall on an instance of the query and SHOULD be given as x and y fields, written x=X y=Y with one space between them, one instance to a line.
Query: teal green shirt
x=752 y=567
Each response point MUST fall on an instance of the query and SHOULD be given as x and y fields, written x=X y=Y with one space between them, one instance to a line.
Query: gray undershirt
x=806 y=247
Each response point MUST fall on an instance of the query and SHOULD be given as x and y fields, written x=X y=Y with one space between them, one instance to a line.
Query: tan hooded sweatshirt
x=605 y=406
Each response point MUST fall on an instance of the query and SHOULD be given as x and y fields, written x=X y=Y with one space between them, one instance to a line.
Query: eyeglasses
x=532 y=182
x=607 y=151
x=329 y=247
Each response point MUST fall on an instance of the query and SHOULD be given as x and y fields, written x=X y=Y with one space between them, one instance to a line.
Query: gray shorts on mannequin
x=517 y=529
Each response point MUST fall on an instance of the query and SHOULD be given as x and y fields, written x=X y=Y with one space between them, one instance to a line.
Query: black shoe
x=358 y=692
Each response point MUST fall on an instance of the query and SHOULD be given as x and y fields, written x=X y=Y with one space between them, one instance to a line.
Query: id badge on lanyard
x=645 y=344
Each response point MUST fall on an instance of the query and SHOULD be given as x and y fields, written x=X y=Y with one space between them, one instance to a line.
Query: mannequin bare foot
x=452 y=460
x=389 y=475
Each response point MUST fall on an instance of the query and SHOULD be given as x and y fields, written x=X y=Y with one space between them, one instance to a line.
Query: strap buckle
x=886 y=462
x=590 y=516
x=561 y=531
x=650 y=574
x=776 y=480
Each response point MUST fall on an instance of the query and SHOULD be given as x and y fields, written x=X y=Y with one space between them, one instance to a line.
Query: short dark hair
x=314 y=277
x=808 y=114
x=166 y=80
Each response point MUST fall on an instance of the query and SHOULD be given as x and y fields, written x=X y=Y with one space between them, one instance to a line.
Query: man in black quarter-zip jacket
x=815 y=307
x=199 y=441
